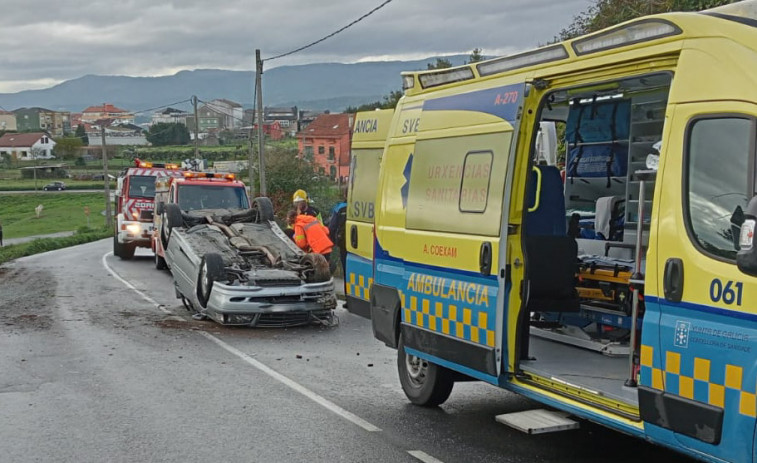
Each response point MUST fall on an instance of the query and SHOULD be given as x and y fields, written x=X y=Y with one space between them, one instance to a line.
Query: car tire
x=318 y=270
x=171 y=219
x=425 y=383
x=160 y=262
x=263 y=208
x=212 y=269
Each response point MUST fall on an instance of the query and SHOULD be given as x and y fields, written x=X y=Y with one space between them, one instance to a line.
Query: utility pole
x=197 y=128
x=251 y=136
x=105 y=175
x=259 y=87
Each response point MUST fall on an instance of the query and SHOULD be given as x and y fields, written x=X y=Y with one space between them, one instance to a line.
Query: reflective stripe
x=314 y=222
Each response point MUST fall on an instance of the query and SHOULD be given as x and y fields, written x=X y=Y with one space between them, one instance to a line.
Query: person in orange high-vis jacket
x=310 y=234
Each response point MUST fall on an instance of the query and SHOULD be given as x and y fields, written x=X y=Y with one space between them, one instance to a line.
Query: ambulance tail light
x=746 y=258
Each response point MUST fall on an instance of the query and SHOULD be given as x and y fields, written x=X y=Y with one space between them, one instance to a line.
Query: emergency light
x=641 y=31
x=218 y=175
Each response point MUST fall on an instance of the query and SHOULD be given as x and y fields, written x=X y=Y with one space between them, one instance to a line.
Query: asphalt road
x=101 y=363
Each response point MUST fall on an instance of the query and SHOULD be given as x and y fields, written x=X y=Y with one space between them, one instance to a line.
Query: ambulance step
x=538 y=421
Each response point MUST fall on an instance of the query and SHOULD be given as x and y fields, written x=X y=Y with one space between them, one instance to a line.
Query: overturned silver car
x=239 y=268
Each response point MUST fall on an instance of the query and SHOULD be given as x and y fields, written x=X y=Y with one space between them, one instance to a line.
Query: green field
x=61 y=212
x=28 y=184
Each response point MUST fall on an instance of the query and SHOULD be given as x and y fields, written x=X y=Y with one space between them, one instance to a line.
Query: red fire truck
x=135 y=193
x=194 y=191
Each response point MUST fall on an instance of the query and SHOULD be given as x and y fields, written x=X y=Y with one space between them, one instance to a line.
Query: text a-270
x=506 y=98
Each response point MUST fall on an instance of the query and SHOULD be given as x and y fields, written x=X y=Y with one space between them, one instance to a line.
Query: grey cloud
x=64 y=39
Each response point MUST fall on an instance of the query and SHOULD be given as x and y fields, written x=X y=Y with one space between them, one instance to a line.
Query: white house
x=27 y=146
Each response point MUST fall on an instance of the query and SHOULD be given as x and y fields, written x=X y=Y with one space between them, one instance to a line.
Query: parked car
x=239 y=268
x=55 y=186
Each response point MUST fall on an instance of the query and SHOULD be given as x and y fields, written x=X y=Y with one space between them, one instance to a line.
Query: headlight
x=134 y=229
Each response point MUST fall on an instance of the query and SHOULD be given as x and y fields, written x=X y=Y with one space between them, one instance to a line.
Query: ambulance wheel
x=425 y=384
x=264 y=209
x=212 y=269
x=160 y=262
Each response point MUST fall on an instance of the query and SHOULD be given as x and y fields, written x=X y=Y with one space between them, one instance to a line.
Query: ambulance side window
x=717 y=162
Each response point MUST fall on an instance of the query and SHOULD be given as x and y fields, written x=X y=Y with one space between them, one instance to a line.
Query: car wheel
x=317 y=269
x=160 y=262
x=60 y=189
x=212 y=269
x=263 y=208
x=172 y=219
x=425 y=383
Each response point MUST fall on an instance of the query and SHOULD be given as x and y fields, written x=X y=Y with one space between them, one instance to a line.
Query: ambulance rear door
x=368 y=139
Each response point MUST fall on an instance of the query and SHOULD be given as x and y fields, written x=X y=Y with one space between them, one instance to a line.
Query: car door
x=698 y=364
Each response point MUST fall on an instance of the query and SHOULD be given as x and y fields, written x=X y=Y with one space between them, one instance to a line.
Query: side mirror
x=746 y=258
x=160 y=208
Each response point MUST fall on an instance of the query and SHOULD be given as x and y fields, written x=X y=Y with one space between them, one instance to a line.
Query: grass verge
x=84 y=235
x=61 y=212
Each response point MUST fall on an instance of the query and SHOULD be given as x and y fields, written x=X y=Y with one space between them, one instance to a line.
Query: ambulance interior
x=594 y=163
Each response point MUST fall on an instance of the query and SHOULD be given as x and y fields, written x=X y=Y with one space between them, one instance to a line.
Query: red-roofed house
x=27 y=146
x=326 y=143
x=107 y=111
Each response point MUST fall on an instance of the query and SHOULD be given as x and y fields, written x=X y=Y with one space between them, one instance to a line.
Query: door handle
x=485 y=258
x=353 y=236
x=673 y=279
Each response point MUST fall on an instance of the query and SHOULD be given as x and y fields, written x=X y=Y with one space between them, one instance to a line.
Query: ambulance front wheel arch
x=424 y=383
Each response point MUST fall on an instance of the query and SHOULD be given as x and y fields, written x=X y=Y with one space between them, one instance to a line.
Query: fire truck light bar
x=217 y=175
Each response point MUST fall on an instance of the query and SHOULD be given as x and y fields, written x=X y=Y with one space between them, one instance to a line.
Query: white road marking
x=144 y=296
x=329 y=405
x=423 y=456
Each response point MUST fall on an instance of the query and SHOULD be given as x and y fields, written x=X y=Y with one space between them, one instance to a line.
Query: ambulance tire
x=425 y=384
x=212 y=269
x=264 y=209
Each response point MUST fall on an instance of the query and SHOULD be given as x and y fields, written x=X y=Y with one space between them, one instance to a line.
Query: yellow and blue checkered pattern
x=699 y=379
x=359 y=286
x=461 y=322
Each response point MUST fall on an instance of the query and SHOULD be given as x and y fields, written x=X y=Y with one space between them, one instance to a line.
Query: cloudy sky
x=45 y=42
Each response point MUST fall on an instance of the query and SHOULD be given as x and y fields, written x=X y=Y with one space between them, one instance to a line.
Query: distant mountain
x=328 y=86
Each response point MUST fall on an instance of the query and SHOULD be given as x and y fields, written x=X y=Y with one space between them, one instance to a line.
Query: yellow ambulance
x=574 y=223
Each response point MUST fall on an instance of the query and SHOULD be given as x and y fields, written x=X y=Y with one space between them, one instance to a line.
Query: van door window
x=363 y=184
x=717 y=160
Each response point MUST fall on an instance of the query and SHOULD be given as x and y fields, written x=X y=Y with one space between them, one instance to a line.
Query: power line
x=162 y=106
x=332 y=34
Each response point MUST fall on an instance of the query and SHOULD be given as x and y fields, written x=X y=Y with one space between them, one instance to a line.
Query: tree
x=606 y=13
x=67 y=147
x=82 y=135
x=389 y=102
x=168 y=133
x=441 y=63
x=287 y=173
x=475 y=56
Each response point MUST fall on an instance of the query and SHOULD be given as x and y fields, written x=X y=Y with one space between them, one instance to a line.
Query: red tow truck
x=135 y=193
x=193 y=191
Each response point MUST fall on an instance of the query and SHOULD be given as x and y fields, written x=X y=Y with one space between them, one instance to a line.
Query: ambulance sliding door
x=456 y=201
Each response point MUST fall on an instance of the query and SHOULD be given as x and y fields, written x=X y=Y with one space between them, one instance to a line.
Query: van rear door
x=456 y=208
x=368 y=139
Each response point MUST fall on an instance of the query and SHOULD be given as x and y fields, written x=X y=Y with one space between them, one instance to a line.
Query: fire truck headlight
x=134 y=229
